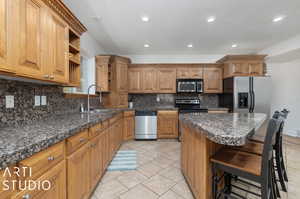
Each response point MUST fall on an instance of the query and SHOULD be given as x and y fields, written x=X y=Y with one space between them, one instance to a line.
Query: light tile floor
x=159 y=176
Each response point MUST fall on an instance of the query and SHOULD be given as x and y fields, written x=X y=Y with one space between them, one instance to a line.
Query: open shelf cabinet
x=74 y=59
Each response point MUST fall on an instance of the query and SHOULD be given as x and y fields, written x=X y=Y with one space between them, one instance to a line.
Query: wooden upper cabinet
x=149 y=80
x=213 y=80
x=60 y=47
x=122 y=76
x=182 y=73
x=102 y=73
x=166 y=78
x=256 y=68
x=134 y=80
x=239 y=69
x=31 y=17
x=196 y=73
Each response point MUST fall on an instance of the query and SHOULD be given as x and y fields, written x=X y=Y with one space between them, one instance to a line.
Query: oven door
x=186 y=87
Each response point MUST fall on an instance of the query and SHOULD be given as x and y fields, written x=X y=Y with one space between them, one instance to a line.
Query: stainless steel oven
x=189 y=86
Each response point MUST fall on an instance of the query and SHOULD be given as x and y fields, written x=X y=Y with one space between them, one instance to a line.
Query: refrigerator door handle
x=253 y=102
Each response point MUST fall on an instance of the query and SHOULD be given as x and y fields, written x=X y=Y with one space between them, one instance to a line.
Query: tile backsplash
x=142 y=100
x=24 y=110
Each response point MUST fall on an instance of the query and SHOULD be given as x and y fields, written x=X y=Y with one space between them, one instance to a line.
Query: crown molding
x=63 y=11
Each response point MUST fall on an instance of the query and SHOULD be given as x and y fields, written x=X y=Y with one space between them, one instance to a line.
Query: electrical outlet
x=9 y=101
x=44 y=100
x=37 y=100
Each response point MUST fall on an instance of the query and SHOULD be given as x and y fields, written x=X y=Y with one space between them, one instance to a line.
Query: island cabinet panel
x=7 y=192
x=195 y=161
x=78 y=174
x=213 y=80
x=57 y=178
x=166 y=80
x=167 y=124
x=128 y=125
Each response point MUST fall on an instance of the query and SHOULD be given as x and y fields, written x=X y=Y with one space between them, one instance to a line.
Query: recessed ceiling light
x=146 y=45
x=278 y=18
x=145 y=18
x=190 y=45
x=211 y=19
x=234 y=45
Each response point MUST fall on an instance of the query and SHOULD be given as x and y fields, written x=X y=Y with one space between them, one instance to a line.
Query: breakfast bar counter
x=205 y=133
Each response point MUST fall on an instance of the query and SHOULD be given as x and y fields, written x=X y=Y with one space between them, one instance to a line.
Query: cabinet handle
x=26 y=196
x=46 y=76
x=81 y=140
x=93 y=145
x=51 y=76
x=51 y=158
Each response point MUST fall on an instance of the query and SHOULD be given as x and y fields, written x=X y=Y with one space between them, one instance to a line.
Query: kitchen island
x=203 y=134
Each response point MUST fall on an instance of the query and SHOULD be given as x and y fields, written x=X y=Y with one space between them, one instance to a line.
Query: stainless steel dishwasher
x=145 y=125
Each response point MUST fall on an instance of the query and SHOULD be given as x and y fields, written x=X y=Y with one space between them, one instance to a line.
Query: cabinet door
x=30 y=37
x=167 y=124
x=128 y=128
x=182 y=73
x=60 y=39
x=149 y=80
x=184 y=150
x=123 y=100
x=78 y=174
x=166 y=80
x=95 y=160
x=4 y=176
x=213 y=82
x=196 y=73
x=102 y=77
x=5 y=37
x=122 y=76
x=134 y=80
x=240 y=69
x=256 y=69
x=57 y=178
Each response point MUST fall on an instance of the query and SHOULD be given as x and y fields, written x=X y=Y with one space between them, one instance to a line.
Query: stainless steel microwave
x=189 y=86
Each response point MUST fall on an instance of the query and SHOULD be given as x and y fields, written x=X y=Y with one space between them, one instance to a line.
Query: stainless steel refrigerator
x=247 y=94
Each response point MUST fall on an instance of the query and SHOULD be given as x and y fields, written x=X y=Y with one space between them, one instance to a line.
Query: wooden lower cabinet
x=6 y=180
x=78 y=176
x=128 y=125
x=57 y=178
x=167 y=124
x=96 y=160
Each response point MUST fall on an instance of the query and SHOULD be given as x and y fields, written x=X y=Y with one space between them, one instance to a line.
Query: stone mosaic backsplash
x=24 y=110
x=142 y=100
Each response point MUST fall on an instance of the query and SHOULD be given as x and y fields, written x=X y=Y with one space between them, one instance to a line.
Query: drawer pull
x=51 y=158
x=81 y=140
x=93 y=145
x=51 y=76
x=26 y=196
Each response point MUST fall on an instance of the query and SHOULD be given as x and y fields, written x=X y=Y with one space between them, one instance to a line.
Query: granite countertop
x=148 y=108
x=18 y=143
x=228 y=129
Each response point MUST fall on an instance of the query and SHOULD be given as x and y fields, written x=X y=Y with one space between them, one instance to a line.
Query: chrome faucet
x=88 y=100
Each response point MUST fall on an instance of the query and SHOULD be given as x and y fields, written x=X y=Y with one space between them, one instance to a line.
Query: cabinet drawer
x=105 y=124
x=42 y=161
x=115 y=118
x=77 y=141
x=95 y=130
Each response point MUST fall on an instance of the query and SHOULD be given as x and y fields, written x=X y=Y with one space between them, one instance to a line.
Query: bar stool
x=246 y=165
x=256 y=147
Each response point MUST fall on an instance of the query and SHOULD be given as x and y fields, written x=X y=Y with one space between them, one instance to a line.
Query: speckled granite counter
x=228 y=129
x=18 y=143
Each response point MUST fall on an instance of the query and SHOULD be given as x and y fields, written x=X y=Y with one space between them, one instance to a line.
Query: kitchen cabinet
x=6 y=194
x=213 y=80
x=102 y=73
x=57 y=178
x=149 y=80
x=189 y=72
x=128 y=125
x=122 y=77
x=34 y=40
x=167 y=124
x=135 y=80
x=78 y=174
x=166 y=80
x=96 y=158
x=243 y=65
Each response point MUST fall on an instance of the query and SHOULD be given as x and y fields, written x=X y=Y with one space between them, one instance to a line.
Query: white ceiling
x=173 y=24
